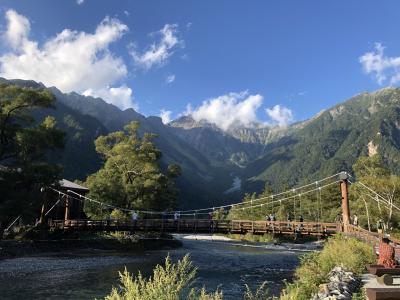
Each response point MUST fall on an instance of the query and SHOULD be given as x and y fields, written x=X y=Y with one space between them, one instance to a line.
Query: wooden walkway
x=200 y=226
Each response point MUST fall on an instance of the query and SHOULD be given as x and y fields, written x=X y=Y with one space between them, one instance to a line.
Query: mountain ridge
x=212 y=159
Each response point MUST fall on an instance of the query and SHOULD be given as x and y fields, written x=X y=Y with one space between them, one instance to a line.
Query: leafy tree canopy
x=369 y=207
x=131 y=176
x=24 y=146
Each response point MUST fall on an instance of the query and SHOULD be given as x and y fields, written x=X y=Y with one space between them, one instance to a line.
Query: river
x=89 y=275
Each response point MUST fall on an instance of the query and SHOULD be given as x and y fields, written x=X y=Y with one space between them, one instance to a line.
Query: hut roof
x=69 y=185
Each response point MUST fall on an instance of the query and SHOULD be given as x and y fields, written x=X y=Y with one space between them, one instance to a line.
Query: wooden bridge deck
x=200 y=226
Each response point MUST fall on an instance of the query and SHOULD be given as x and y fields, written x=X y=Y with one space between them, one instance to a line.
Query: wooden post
x=345 y=199
x=41 y=220
x=42 y=211
x=66 y=217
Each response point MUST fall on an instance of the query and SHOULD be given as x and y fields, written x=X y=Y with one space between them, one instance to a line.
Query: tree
x=247 y=211
x=24 y=146
x=371 y=207
x=131 y=177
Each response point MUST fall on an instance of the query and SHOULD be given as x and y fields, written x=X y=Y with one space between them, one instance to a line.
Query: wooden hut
x=70 y=205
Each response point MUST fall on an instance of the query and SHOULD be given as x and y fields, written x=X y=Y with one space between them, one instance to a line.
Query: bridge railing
x=200 y=226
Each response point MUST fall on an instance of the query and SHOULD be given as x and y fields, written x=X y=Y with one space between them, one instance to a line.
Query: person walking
x=273 y=217
x=289 y=219
x=134 y=218
x=379 y=226
x=355 y=220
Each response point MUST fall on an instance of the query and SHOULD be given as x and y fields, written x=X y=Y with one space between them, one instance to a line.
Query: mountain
x=220 y=166
x=85 y=118
x=332 y=141
x=238 y=145
x=327 y=143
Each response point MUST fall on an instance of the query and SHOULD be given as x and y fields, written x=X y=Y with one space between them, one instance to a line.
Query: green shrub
x=260 y=294
x=167 y=283
x=339 y=250
x=349 y=253
x=119 y=215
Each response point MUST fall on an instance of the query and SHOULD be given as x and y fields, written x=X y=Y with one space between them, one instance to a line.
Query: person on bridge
x=176 y=216
x=338 y=218
x=289 y=219
x=355 y=220
x=301 y=220
x=273 y=217
x=386 y=254
x=134 y=218
x=380 y=226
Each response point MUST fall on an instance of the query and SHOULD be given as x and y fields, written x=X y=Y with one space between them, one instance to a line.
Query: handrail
x=201 y=225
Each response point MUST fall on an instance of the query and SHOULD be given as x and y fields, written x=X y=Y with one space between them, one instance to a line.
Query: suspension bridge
x=202 y=220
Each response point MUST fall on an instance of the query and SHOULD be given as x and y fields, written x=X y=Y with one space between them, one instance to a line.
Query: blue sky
x=293 y=58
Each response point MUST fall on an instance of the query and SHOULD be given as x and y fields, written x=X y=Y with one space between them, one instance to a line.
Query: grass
x=339 y=250
x=170 y=282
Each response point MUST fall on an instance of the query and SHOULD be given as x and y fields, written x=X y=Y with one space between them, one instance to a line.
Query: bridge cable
x=385 y=201
x=320 y=208
x=209 y=208
x=265 y=197
x=59 y=200
x=232 y=206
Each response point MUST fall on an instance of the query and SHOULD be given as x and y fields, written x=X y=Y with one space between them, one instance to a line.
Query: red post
x=345 y=199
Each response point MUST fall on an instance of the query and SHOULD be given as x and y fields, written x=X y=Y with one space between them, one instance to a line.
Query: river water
x=228 y=265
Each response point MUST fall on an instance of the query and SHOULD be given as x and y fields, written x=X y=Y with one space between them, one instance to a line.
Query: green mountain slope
x=211 y=158
x=333 y=141
x=85 y=118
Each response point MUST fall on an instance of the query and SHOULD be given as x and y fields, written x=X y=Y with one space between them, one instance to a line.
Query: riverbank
x=315 y=268
x=65 y=243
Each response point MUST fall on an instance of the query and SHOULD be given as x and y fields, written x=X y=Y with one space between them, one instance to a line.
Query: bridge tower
x=345 y=199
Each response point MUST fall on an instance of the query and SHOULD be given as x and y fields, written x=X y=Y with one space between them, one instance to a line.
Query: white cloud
x=382 y=67
x=170 y=79
x=119 y=96
x=71 y=60
x=280 y=115
x=18 y=28
x=80 y=2
x=158 y=53
x=165 y=116
x=126 y=13
x=230 y=110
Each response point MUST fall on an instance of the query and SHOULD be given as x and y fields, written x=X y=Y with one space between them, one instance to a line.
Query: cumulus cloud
x=165 y=116
x=382 y=67
x=279 y=115
x=230 y=110
x=71 y=60
x=18 y=28
x=80 y=2
x=158 y=53
x=119 y=96
x=170 y=79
